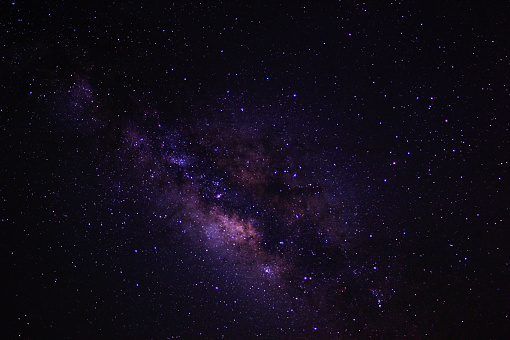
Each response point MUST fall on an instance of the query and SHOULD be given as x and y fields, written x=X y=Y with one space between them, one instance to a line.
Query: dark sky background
x=314 y=170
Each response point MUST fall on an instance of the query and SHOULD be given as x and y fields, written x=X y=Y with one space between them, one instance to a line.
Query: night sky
x=310 y=170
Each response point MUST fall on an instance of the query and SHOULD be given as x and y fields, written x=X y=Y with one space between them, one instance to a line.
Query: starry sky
x=204 y=169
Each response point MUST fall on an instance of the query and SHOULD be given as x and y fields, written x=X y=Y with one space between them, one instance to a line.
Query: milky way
x=304 y=171
x=275 y=217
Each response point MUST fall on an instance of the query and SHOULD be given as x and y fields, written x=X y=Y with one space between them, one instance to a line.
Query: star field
x=207 y=170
